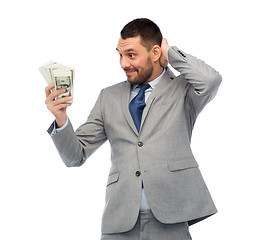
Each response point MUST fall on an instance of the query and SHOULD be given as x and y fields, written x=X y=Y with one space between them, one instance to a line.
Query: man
x=155 y=189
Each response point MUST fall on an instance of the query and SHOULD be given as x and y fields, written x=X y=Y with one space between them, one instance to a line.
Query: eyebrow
x=128 y=50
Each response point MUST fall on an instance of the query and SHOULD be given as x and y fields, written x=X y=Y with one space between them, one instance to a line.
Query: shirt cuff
x=57 y=130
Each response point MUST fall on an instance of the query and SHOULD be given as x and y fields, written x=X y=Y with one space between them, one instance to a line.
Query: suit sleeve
x=75 y=147
x=203 y=80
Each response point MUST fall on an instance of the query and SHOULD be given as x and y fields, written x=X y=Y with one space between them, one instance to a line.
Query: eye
x=131 y=55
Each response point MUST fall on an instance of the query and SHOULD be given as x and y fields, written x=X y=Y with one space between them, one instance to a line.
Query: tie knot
x=143 y=87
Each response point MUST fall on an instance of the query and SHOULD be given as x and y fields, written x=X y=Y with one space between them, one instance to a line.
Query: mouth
x=130 y=72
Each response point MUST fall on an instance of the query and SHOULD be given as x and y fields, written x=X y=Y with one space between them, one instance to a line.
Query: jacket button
x=138 y=173
x=182 y=53
x=140 y=144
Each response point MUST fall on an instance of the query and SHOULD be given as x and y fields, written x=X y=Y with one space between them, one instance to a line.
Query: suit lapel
x=157 y=90
x=126 y=98
x=125 y=105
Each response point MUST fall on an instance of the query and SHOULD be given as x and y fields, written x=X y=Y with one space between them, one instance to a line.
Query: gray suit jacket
x=159 y=156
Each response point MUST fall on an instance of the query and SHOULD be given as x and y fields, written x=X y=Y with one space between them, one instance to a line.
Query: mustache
x=130 y=69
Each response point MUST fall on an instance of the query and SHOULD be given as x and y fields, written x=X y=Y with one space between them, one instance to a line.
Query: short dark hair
x=145 y=28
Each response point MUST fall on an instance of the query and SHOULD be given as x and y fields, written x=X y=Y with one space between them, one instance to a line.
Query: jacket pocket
x=182 y=163
x=113 y=178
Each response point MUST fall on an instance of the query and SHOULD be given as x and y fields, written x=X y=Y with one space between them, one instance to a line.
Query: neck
x=156 y=73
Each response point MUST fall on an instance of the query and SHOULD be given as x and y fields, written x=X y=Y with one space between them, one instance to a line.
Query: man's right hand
x=57 y=107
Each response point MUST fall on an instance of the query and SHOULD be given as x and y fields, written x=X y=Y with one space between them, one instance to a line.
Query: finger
x=61 y=100
x=62 y=106
x=49 y=88
x=54 y=108
x=54 y=94
x=163 y=61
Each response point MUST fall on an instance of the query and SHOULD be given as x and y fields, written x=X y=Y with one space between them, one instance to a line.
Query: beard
x=142 y=75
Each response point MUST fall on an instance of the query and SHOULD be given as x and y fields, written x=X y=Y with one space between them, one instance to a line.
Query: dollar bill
x=62 y=76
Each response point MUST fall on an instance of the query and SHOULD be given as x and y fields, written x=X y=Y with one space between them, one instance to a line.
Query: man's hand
x=164 y=53
x=57 y=107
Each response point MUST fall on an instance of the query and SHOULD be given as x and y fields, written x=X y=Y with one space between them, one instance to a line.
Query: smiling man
x=155 y=189
x=136 y=60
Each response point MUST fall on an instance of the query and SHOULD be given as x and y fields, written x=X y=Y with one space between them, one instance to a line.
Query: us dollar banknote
x=59 y=74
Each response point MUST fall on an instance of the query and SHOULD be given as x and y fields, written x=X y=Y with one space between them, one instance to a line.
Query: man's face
x=135 y=60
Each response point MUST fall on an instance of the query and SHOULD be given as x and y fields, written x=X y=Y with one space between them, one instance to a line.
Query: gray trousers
x=149 y=228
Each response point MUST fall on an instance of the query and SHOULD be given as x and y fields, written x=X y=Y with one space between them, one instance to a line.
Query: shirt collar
x=152 y=83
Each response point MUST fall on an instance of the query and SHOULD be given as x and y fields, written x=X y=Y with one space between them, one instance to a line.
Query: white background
x=40 y=197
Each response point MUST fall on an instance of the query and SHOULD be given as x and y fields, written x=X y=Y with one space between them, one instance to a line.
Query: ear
x=156 y=53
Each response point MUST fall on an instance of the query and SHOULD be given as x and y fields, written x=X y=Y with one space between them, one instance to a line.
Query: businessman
x=155 y=189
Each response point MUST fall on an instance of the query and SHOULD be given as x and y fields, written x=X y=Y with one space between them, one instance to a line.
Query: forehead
x=129 y=44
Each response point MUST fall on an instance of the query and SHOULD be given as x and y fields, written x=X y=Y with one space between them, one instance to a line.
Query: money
x=59 y=74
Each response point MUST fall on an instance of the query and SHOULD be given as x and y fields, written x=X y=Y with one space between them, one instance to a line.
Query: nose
x=124 y=63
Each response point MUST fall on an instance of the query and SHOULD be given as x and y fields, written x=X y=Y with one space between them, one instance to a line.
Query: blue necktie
x=137 y=105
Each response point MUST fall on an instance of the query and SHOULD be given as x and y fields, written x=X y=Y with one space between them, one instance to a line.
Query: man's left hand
x=164 y=53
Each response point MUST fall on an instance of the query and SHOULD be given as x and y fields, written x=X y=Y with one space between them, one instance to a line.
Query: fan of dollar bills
x=62 y=76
